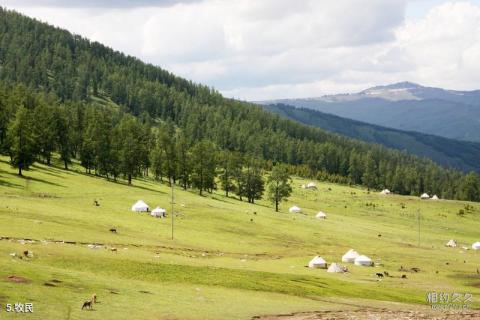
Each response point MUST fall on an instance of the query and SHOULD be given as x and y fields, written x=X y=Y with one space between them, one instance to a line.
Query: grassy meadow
x=229 y=259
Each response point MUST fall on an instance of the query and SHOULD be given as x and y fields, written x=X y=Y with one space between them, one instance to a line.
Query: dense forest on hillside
x=123 y=118
x=462 y=155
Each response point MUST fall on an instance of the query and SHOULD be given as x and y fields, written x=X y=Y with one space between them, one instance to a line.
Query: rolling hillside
x=405 y=106
x=462 y=155
x=229 y=259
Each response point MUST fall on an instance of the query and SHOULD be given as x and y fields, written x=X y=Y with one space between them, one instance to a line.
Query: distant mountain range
x=463 y=155
x=405 y=106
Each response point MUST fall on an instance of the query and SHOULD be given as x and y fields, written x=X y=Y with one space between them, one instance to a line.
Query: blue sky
x=418 y=9
x=269 y=49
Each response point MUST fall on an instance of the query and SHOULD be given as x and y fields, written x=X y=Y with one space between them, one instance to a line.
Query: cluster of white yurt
x=424 y=196
x=352 y=256
x=451 y=243
x=140 y=206
x=385 y=192
x=476 y=246
x=295 y=209
x=435 y=197
x=317 y=262
x=321 y=215
x=158 y=212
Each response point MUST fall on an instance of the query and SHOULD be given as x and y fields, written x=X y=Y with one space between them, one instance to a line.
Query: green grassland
x=229 y=259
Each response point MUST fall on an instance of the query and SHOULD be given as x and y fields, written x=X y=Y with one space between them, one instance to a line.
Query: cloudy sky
x=267 y=49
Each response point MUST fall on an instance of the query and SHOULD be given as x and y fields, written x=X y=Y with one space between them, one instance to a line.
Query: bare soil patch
x=377 y=314
x=17 y=279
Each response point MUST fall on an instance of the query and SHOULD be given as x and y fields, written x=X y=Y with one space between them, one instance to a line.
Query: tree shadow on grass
x=9 y=184
x=5 y=183
x=29 y=179
x=53 y=171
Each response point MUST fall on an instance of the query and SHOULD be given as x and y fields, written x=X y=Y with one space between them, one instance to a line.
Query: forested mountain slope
x=462 y=155
x=122 y=117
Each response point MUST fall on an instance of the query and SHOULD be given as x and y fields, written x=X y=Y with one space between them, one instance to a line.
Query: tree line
x=159 y=122
x=110 y=143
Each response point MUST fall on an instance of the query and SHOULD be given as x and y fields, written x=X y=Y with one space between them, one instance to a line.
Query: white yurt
x=363 y=261
x=321 y=215
x=476 y=246
x=435 y=197
x=311 y=185
x=425 y=196
x=350 y=256
x=385 y=192
x=140 y=206
x=336 y=268
x=452 y=243
x=317 y=262
x=294 y=209
x=158 y=212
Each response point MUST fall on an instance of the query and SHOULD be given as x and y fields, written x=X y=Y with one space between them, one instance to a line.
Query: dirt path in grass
x=375 y=314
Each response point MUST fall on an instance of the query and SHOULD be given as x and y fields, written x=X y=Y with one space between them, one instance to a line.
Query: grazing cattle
x=113 y=230
x=94 y=298
x=379 y=275
x=415 y=269
x=386 y=273
x=404 y=276
x=25 y=253
x=113 y=250
x=87 y=305
x=379 y=235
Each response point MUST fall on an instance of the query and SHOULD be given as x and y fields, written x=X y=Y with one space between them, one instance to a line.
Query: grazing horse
x=113 y=230
x=380 y=275
x=87 y=305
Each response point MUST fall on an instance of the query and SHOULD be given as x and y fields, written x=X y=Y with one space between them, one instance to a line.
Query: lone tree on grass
x=279 y=185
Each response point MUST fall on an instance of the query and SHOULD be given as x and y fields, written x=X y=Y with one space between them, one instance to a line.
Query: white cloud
x=443 y=46
x=281 y=48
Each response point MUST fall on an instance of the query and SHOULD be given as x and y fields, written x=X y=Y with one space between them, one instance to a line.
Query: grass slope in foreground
x=226 y=262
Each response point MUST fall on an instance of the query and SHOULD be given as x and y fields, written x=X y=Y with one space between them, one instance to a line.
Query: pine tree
x=203 y=166
x=183 y=160
x=470 y=187
x=44 y=130
x=21 y=140
x=131 y=151
x=369 y=177
x=279 y=185
x=63 y=136
x=254 y=184
x=229 y=163
x=355 y=168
